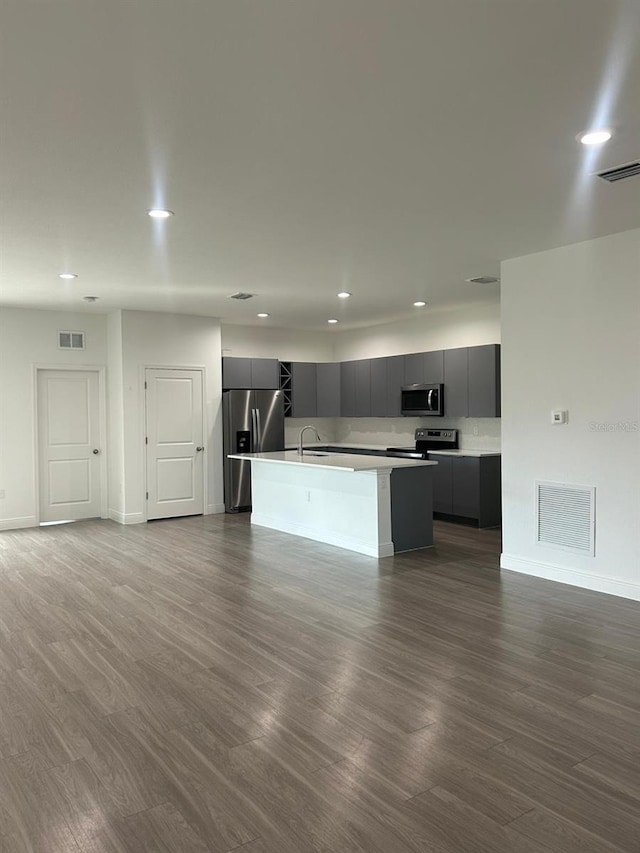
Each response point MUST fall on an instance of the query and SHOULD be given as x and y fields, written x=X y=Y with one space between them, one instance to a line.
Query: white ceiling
x=389 y=147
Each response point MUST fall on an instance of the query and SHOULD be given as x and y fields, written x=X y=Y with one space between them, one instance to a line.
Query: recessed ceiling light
x=419 y=304
x=67 y=276
x=159 y=213
x=262 y=314
x=332 y=320
x=595 y=137
x=344 y=294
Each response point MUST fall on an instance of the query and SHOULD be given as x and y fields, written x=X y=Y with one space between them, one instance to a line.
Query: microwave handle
x=429 y=396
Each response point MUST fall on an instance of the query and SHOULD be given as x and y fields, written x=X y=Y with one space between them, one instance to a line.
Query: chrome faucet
x=300 y=447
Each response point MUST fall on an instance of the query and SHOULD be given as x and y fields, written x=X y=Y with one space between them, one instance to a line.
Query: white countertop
x=337 y=461
x=383 y=447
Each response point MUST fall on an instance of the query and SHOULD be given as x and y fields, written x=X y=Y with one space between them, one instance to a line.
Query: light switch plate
x=559 y=416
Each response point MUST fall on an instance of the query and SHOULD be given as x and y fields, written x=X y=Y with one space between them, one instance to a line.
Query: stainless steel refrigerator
x=253 y=422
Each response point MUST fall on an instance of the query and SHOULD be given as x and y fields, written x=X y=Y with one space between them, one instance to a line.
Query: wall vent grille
x=620 y=173
x=71 y=340
x=565 y=516
x=241 y=295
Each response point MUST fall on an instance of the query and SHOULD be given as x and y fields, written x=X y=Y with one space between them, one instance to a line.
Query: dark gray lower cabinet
x=468 y=487
x=456 y=382
x=328 y=381
x=379 y=387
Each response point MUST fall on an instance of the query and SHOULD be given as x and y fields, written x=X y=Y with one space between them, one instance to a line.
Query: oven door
x=422 y=400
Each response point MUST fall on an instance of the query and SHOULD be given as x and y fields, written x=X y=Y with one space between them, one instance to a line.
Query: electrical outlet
x=308 y=497
x=2 y=495
x=476 y=431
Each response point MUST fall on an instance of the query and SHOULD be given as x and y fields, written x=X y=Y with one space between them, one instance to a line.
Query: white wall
x=115 y=409
x=283 y=344
x=571 y=340
x=472 y=325
x=27 y=338
x=169 y=340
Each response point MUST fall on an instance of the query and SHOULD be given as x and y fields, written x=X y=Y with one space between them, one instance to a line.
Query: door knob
x=95 y=451
x=199 y=449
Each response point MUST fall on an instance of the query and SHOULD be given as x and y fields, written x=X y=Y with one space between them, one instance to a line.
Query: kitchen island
x=369 y=504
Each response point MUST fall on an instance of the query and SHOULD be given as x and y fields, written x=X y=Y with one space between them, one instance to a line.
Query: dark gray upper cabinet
x=395 y=381
x=484 y=381
x=379 y=387
x=236 y=373
x=434 y=366
x=265 y=373
x=328 y=376
x=304 y=394
x=363 y=388
x=414 y=368
x=456 y=382
x=348 y=389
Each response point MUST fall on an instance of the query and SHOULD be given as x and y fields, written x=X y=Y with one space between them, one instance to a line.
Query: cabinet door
x=395 y=381
x=379 y=387
x=434 y=366
x=304 y=394
x=456 y=382
x=484 y=381
x=236 y=372
x=466 y=486
x=348 y=389
x=328 y=378
x=442 y=484
x=414 y=369
x=363 y=388
x=265 y=373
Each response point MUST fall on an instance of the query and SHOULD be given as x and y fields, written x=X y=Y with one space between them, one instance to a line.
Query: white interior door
x=175 y=447
x=68 y=444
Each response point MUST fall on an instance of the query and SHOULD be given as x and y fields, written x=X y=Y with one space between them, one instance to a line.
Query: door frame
x=102 y=430
x=143 y=427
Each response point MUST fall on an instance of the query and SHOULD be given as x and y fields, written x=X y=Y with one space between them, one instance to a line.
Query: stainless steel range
x=426 y=440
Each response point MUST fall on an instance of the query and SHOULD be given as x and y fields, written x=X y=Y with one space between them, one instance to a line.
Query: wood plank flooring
x=198 y=685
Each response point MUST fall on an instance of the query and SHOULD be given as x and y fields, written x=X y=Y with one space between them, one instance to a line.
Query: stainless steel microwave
x=423 y=400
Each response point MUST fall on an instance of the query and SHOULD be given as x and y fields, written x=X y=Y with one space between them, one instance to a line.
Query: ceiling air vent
x=241 y=295
x=620 y=173
x=71 y=340
x=565 y=516
x=483 y=279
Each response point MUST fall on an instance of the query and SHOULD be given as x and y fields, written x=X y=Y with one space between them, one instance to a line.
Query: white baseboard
x=384 y=549
x=18 y=523
x=126 y=518
x=214 y=509
x=551 y=572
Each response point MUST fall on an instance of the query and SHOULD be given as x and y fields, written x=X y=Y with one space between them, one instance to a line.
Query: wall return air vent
x=71 y=340
x=620 y=173
x=565 y=516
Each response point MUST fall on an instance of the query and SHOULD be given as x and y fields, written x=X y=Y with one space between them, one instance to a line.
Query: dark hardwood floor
x=198 y=685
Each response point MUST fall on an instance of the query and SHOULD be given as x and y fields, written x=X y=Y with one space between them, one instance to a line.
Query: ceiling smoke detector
x=483 y=279
x=241 y=295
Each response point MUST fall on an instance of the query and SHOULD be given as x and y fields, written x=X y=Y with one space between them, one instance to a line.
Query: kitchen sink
x=313 y=453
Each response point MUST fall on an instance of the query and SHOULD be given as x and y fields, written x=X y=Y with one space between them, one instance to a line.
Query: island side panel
x=412 y=508
x=350 y=509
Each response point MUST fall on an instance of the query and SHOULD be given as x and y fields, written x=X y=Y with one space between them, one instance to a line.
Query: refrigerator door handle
x=254 y=430
x=258 y=431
